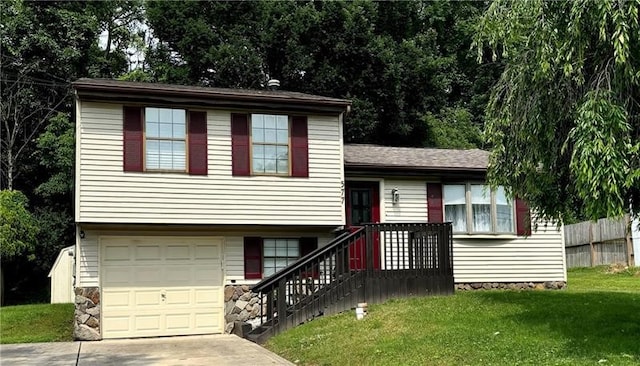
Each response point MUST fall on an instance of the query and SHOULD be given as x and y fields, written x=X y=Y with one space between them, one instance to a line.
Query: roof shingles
x=381 y=157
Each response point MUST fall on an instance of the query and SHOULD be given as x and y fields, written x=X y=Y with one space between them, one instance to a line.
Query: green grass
x=595 y=321
x=36 y=323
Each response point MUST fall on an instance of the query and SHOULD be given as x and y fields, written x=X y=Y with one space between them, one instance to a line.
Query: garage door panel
x=116 y=324
x=147 y=298
x=146 y=323
x=207 y=252
x=116 y=253
x=147 y=253
x=207 y=296
x=147 y=276
x=178 y=297
x=119 y=278
x=180 y=275
x=204 y=321
x=178 y=252
x=133 y=287
x=113 y=298
x=205 y=274
x=179 y=321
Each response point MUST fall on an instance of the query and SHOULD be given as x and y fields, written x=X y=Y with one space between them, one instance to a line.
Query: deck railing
x=371 y=264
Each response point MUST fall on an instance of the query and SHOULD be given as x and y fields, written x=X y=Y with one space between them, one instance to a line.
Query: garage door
x=158 y=286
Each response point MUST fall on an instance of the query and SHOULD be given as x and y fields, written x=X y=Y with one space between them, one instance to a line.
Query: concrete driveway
x=219 y=350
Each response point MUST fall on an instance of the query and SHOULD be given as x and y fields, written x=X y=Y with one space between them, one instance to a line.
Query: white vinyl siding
x=106 y=194
x=537 y=258
x=412 y=205
x=483 y=258
x=233 y=249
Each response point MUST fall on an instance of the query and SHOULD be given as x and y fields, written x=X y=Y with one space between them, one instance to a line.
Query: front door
x=363 y=206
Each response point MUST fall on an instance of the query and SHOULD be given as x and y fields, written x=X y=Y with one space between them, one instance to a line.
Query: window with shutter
x=475 y=209
x=164 y=139
x=265 y=256
x=269 y=144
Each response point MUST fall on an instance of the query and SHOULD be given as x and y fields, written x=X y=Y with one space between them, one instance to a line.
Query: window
x=265 y=256
x=279 y=253
x=473 y=208
x=267 y=144
x=165 y=139
x=270 y=144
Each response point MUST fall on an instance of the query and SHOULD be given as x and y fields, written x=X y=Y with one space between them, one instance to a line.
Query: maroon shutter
x=299 y=147
x=240 y=144
x=198 y=143
x=523 y=218
x=252 y=258
x=308 y=245
x=434 y=202
x=132 y=139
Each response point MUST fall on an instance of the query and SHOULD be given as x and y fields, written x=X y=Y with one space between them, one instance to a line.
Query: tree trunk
x=629 y=247
x=592 y=249
x=9 y=169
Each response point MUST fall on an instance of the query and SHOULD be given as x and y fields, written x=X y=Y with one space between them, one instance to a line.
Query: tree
x=397 y=61
x=18 y=229
x=44 y=47
x=564 y=118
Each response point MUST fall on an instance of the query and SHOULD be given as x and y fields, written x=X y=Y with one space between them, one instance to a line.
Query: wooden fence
x=592 y=243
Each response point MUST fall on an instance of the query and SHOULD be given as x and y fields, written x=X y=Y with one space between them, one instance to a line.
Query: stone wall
x=87 y=314
x=550 y=285
x=240 y=305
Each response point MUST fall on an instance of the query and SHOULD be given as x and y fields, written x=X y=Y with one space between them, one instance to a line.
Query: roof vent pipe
x=273 y=84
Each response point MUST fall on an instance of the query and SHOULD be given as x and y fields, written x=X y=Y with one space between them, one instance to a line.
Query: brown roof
x=411 y=158
x=204 y=95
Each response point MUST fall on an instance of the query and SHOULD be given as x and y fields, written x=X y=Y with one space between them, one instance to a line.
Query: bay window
x=474 y=208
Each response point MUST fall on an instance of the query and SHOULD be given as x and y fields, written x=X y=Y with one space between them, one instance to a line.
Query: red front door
x=363 y=206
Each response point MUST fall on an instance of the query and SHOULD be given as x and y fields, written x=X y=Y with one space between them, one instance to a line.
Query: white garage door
x=158 y=286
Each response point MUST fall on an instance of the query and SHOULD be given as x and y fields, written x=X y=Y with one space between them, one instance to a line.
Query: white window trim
x=469 y=214
x=252 y=143
x=146 y=139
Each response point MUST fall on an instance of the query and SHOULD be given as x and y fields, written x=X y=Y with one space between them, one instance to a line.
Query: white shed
x=61 y=275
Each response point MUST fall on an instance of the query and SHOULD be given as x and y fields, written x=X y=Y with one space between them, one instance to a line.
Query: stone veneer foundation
x=240 y=306
x=549 y=285
x=87 y=314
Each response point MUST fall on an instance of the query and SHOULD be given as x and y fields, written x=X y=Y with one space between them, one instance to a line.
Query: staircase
x=371 y=264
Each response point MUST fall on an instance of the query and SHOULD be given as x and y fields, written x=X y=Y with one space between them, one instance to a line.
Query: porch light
x=395 y=195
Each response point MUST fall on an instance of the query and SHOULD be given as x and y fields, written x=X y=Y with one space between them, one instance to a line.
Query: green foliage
x=18 y=228
x=396 y=60
x=56 y=154
x=453 y=130
x=564 y=118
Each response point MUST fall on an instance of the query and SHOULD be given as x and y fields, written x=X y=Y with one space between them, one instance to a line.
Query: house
x=62 y=277
x=188 y=196
x=495 y=244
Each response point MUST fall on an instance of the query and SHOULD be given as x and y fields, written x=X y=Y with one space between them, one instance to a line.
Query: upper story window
x=270 y=144
x=165 y=139
x=474 y=208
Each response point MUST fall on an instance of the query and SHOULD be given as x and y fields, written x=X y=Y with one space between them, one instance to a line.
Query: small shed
x=62 y=277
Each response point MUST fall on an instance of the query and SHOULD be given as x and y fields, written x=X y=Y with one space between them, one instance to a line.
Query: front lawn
x=595 y=321
x=36 y=323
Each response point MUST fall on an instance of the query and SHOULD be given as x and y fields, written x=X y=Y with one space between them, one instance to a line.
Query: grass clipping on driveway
x=595 y=321
x=36 y=323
